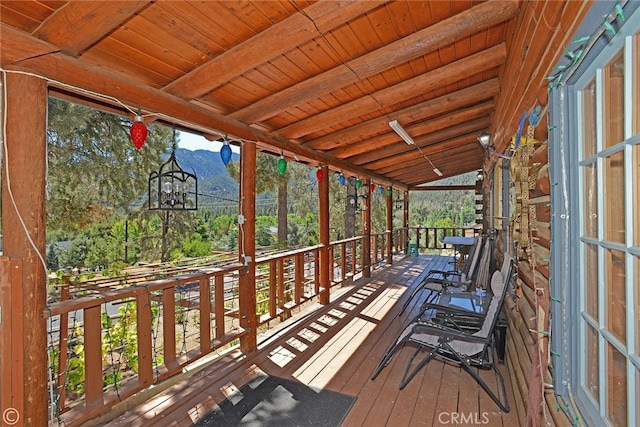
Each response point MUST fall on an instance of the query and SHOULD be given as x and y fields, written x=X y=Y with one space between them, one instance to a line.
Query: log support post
x=247 y=246
x=323 y=227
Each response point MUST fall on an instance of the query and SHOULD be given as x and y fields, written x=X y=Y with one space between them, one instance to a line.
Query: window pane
x=614 y=101
x=589 y=120
x=637 y=393
x=636 y=103
x=592 y=382
x=590 y=211
x=617 y=387
x=636 y=191
x=614 y=197
x=636 y=291
x=616 y=305
x=591 y=280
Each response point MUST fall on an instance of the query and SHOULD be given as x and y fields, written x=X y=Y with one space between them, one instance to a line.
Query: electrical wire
x=363 y=87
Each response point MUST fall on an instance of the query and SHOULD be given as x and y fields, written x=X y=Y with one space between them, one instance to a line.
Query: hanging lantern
x=138 y=131
x=341 y=179
x=225 y=152
x=358 y=184
x=380 y=189
x=389 y=191
x=372 y=187
x=282 y=165
x=171 y=188
x=319 y=173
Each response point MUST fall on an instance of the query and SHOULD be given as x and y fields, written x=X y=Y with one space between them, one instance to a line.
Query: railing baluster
x=219 y=305
x=205 y=314
x=93 y=354
x=299 y=277
x=169 y=326
x=145 y=349
x=280 y=283
x=273 y=289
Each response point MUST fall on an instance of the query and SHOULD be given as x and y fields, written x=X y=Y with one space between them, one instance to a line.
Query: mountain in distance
x=214 y=183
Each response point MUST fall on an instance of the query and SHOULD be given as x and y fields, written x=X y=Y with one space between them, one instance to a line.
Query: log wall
x=536 y=41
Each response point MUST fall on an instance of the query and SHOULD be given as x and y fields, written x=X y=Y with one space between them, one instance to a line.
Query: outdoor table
x=473 y=302
x=461 y=245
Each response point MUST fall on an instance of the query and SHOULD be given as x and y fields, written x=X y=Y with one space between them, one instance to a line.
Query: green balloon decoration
x=358 y=184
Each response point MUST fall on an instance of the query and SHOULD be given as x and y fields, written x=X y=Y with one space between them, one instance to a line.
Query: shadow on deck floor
x=335 y=348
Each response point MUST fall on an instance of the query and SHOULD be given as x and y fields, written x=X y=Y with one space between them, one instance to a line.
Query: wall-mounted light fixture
x=485 y=140
x=397 y=128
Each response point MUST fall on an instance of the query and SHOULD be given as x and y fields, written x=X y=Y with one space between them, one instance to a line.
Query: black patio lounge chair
x=469 y=350
x=476 y=270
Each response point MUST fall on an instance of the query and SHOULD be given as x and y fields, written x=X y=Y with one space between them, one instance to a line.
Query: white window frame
x=567 y=282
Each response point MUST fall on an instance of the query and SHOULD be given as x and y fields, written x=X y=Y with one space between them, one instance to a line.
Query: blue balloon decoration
x=225 y=153
x=341 y=179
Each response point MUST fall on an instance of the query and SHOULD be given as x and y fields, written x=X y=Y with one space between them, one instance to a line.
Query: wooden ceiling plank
x=426 y=142
x=348 y=151
x=431 y=108
x=420 y=171
x=481 y=61
x=25 y=16
x=441 y=34
x=80 y=24
x=276 y=40
x=399 y=160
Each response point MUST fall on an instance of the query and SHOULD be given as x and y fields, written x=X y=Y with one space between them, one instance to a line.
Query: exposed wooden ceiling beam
x=431 y=108
x=443 y=188
x=401 y=160
x=274 y=41
x=450 y=73
x=419 y=43
x=79 y=24
x=441 y=122
x=59 y=68
x=435 y=141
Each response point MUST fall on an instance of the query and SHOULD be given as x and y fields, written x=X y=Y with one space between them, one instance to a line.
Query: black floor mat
x=273 y=401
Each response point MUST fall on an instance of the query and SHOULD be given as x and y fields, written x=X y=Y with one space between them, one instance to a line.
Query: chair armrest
x=447 y=309
x=446 y=333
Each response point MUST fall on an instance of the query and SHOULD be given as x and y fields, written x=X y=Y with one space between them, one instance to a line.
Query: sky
x=190 y=141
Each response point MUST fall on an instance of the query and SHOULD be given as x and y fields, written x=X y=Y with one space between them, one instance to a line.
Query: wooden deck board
x=337 y=347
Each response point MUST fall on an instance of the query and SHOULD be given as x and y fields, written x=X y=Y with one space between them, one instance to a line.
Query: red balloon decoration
x=319 y=174
x=372 y=187
x=138 y=132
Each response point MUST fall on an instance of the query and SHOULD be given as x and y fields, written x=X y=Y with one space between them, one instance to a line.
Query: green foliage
x=194 y=246
x=52 y=257
x=75 y=370
x=75 y=256
x=93 y=168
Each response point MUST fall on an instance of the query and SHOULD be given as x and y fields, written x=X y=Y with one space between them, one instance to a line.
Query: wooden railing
x=432 y=237
x=108 y=345
x=111 y=337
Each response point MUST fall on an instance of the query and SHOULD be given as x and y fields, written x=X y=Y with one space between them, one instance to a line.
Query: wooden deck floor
x=336 y=347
